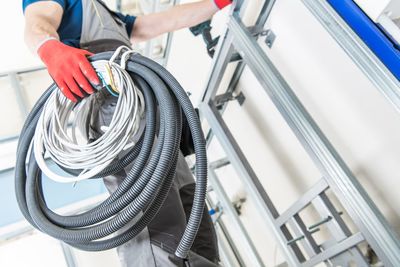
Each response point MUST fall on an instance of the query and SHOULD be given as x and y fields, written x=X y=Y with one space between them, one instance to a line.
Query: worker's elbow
x=138 y=37
x=143 y=34
x=146 y=29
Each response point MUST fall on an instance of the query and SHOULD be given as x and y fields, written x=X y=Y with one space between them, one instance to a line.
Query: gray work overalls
x=155 y=245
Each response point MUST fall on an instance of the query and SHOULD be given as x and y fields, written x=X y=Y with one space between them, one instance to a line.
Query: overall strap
x=102 y=30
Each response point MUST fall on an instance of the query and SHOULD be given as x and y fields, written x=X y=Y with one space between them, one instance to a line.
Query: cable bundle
x=154 y=160
x=63 y=147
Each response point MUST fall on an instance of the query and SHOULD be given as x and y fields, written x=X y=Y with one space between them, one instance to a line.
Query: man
x=63 y=33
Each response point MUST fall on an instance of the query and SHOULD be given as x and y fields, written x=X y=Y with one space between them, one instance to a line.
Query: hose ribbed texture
x=148 y=182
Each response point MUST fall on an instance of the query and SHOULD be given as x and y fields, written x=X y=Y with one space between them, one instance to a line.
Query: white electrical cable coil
x=54 y=136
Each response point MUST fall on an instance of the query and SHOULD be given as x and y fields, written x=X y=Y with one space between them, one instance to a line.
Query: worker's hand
x=222 y=3
x=69 y=68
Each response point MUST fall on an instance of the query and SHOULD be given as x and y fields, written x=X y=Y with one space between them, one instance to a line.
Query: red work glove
x=69 y=68
x=222 y=3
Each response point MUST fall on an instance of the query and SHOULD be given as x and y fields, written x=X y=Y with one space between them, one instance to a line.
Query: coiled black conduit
x=148 y=182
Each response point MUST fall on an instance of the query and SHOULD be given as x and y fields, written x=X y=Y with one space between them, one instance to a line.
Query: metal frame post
x=234 y=219
x=16 y=85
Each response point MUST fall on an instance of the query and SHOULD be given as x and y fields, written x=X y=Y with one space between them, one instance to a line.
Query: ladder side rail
x=230 y=211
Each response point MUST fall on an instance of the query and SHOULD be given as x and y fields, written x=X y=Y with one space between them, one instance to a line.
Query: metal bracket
x=269 y=37
x=220 y=100
x=238 y=204
x=257 y=31
x=217 y=211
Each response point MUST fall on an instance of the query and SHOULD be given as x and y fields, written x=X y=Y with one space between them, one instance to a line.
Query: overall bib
x=103 y=31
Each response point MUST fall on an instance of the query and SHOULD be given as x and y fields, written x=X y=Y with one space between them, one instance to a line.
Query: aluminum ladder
x=294 y=237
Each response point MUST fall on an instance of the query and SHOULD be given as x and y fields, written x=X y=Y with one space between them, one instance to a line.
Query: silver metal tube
x=19 y=93
x=224 y=236
x=68 y=255
x=220 y=62
x=234 y=219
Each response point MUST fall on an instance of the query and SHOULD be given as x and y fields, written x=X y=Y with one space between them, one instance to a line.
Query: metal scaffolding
x=294 y=237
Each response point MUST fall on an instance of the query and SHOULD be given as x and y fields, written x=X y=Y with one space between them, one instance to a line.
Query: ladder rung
x=219 y=163
x=302 y=202
x=335 y=250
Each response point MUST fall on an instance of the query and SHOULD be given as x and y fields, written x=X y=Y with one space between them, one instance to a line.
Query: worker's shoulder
x=65 y=4
x=62 y=3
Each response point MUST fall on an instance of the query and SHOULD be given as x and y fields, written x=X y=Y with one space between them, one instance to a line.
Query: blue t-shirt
x=71 y=23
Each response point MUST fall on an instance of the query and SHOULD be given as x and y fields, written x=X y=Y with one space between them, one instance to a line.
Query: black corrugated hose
x=147 y=184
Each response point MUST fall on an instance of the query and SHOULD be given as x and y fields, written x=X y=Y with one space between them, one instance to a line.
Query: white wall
x=359 y=122
x=13 y=52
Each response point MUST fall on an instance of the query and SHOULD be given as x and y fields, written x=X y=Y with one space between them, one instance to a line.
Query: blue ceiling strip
x=370 y=33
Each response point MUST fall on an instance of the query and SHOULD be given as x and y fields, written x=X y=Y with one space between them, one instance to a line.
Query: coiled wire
x=53 y=136
x=147 y=184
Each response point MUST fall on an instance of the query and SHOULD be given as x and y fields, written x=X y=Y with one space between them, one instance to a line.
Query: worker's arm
x=175 y=18
x=42 y=20
x=68 y=66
